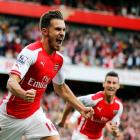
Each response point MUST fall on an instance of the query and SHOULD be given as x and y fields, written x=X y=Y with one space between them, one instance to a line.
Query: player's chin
x=57 y=48
x=111 y=92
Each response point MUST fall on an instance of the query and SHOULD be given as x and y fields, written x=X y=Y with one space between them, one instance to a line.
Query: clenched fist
x=87 y=112
x=29 y=95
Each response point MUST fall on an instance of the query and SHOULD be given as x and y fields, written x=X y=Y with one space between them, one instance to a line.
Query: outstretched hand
x=87 y=112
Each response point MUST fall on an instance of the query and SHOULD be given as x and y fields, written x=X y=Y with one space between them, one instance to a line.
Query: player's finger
x=90 y=113
x=29 y=99
x=30 y=95
x=33 y=90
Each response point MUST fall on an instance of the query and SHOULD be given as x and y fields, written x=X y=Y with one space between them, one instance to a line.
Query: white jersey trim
x=25 y=59
x=117 y=117
x=60 y=76
x=88 y=101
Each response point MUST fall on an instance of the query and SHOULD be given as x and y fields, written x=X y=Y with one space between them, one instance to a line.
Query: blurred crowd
x=103 y=48
x=119 y=7
x=130 y=121
x=83 y=45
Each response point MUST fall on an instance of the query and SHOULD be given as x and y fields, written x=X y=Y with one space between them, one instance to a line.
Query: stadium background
x=102 y=35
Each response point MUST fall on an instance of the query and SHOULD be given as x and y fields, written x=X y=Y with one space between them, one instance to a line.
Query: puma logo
x=99 y=108
x=42 y=63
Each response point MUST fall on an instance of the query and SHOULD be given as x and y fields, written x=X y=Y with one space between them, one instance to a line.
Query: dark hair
x=47 y=17
x=112 y=73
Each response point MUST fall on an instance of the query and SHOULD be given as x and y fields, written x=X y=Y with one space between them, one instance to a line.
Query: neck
x=109 y=99
x=46 y=46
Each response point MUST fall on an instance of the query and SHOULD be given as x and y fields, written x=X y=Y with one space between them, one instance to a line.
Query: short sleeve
x=87 y=100
x=116 y=119
x=23 y=62
x=60 y=76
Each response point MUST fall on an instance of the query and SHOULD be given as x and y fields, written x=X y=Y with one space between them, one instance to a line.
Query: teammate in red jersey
x=107 y=112
x=36 y=65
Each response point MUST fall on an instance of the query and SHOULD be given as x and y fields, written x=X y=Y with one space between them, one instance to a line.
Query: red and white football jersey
x=36 y=69
x=104 y=112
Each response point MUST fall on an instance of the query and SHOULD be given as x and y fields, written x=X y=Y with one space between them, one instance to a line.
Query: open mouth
x=59 y=41
x=111 y=90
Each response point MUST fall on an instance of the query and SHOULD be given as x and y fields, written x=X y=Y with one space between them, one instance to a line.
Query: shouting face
x=55 y=34
x=111 y=85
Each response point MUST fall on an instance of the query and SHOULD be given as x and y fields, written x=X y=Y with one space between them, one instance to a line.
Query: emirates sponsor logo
x=101 y=120
x=104 y=119
x=39 y=84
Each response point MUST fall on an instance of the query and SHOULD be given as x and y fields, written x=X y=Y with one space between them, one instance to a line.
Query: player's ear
x=44 y=31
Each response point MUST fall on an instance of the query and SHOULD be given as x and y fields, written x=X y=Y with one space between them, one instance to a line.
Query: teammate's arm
x=67 y=109
x=113 y=125
x=114 y=130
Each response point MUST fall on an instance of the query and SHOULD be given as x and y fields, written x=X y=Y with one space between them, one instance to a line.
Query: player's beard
x=54 y=44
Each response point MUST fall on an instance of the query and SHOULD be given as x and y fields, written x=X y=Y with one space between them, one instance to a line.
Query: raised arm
x=64 y=91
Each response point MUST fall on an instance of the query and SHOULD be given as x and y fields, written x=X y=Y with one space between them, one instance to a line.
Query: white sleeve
x=116 y=119
x=23 y=62
x=74 y=117
x=87 y=100
x=60 y=76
